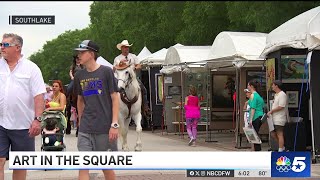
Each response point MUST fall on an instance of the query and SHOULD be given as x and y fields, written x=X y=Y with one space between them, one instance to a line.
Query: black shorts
x=16 y=140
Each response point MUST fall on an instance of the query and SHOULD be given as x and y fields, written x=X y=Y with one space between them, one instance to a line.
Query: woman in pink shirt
x=192 y=109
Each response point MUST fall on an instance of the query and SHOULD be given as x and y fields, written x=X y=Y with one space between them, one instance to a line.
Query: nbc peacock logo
x=283 y=164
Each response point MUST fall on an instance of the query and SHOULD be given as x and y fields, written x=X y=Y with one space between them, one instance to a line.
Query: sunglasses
x=7 y=45
x=86 y=47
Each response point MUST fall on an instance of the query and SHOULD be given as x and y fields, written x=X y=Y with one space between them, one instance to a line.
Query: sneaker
x=193 y=143
x=190 y=142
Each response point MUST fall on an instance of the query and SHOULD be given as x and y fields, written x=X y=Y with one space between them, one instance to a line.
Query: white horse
x=130 y=105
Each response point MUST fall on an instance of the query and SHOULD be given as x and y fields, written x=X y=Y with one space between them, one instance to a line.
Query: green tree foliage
x=56 y=57
x=158 y=24
x=104 y=17
x=168 y=19
x=264 y=16
x=203 y=21
x=141 y=23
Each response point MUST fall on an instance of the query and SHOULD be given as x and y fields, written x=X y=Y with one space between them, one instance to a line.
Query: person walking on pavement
x=98 y=105
x=22 y=91
x=192 y=109
x=279 y=113
x=58 y=99
x=76 y=66
x=256 y=104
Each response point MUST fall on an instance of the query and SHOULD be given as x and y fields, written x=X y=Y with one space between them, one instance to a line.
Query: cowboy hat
x=123 y=64
x=123 y=43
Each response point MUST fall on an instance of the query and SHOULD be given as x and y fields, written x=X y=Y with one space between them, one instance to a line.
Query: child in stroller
x=53 y=128
x=50 y=130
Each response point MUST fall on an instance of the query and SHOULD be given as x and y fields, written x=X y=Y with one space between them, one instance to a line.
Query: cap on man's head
x=278 y=83
x=87 y=45
x=246 y=90
x=123 y=43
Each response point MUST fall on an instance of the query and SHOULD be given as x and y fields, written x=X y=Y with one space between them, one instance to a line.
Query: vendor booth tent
x=300 y=36
x=158 y=57
x=179 y=56
x=152 y=63
x=178 y=60
x=234 y=46
x=144 y=53
x=234 y=50
x=186 y=54
x=300 y=32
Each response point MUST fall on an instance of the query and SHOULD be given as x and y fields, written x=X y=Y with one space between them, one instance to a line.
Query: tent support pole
x=237 y=130
x=181 y=106
x=150 y=96
x=311 y=116
x=163 y=120
x=208 y=114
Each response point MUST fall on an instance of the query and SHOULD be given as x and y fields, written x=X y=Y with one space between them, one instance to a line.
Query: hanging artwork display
x=293 y=69
x=159 y=88
x=271 y=73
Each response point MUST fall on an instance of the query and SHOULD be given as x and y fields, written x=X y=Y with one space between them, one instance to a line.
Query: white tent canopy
x=230 y=47
x=300 y=32
x=144 y=53
x=186 y=54
x=177 y=57
x=104 y=62
x=158 y=57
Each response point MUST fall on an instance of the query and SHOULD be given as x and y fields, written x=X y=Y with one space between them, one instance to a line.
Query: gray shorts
x=278 y=128
x=95 y=142
x=17 y=140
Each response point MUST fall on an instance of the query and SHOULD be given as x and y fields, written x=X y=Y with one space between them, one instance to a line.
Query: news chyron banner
x=196 y=164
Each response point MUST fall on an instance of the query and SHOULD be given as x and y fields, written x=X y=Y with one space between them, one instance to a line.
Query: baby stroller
x=58 y=136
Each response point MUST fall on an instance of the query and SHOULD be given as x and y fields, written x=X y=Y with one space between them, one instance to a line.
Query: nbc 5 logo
x=284 y=164
x=291 y=164
x=298 y=164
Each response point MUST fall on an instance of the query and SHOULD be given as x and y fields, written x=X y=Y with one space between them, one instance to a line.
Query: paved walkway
x=156 y=141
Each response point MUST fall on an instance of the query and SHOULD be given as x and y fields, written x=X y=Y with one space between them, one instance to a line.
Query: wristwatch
x=115 y=125
x=38 y=118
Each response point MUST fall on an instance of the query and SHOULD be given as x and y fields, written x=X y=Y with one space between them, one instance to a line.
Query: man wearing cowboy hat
x=125 y=56
x=127 y=59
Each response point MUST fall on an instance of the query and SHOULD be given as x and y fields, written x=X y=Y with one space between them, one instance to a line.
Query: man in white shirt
x=132 y=60
x=21 y=102
x=126 y=56
x=279 y=113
